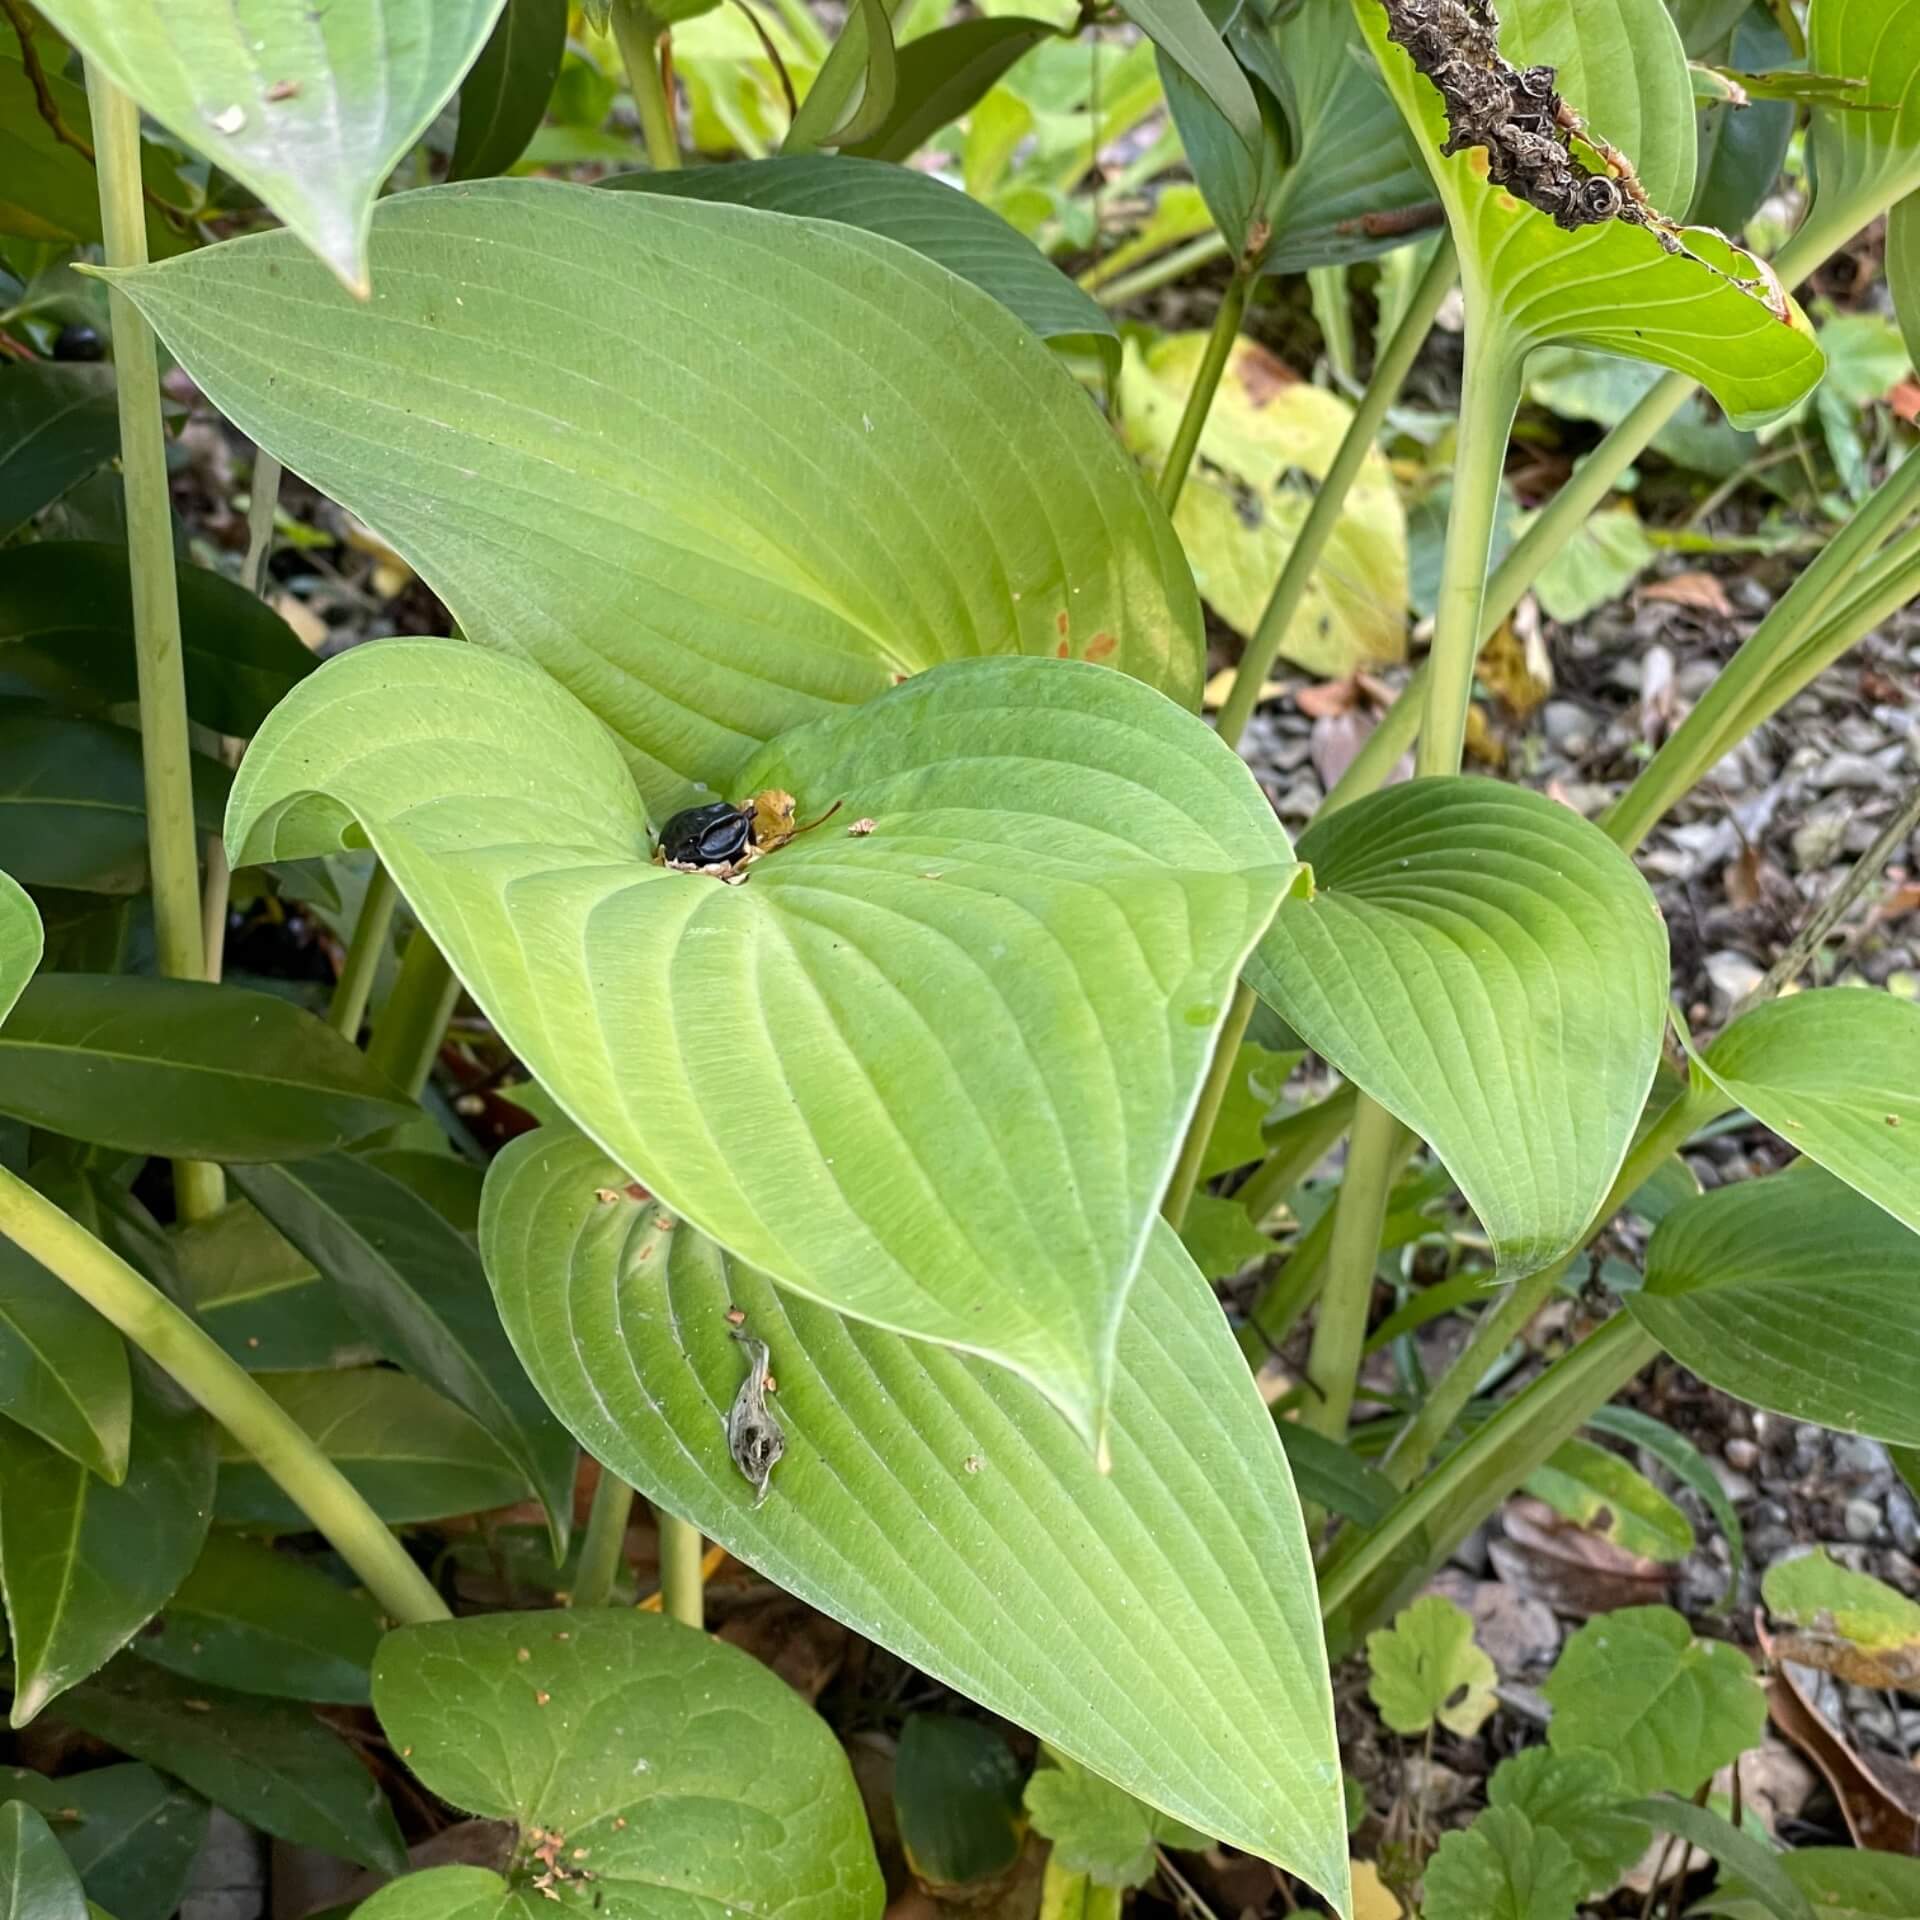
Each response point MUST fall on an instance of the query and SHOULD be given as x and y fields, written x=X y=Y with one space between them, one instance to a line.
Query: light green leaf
x=917 y=211
x=1810 y=1591
x=943 y=74
x=1183 y=32
x=1006 y=992
x=274 y=1765
x=131 y=1833
x=1674 y=1450
x=1843 y=1883
x=956 y=1795
x=259 y=1621
x=1732 y=1847
x=504 y=96
x=66 y=624
x=416 y=1285
x=1492 y=970
x=694 y=1779
x=57 y=425
x=22 y=941
x=1862 y=162
x=1096 y=1829
x=410 y=1454
x=1667 y=1709
x=73 y=803
x=1606 y=555
x=915 y=1480
x=1611 y=287
x=1219 y=1237
x=86 y=1565
x=1244 y=503
x=1591 y=1487
x=1903 y=269
x=1502 y=1868
x=63 y=1369
x=1835 y=1072
x=1736 y=1278
x=1576 y=1795
x=37 y=1880
x=190 y=1071
x=312 y=109
x=1425 y=1667
x=261 y=1297
x=714 y=540
x=1254 y=1090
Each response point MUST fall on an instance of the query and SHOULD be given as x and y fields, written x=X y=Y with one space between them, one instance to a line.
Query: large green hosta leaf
x=750 y=467
x=1157 y=1623
x=1794 y=1293
x=934 y=1076
x=310 y=106
x=1865 y=160
x=690 y=1780
x=1492 y=970
x=1610 y=287
x=1836 y=1072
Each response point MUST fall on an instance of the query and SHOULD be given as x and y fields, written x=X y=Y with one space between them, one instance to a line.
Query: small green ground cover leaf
x=1575 y=1794
x=1668 y=1709
x=665 y=1774
x=1502 y=1868
x=1098 y=1830
x=1426 y=1668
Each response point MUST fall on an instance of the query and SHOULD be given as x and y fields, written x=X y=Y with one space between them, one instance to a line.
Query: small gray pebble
x=1862 y=1519
x=1742 y=1455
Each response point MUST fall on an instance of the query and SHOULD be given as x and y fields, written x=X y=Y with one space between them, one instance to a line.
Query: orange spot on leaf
x=1100 y=646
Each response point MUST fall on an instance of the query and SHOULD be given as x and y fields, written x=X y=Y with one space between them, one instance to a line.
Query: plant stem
x=1297 y=1144
x=174 y=1342
x=1193 y=419
x=1340 y=1326
x=680 y=1576
x=407 y=1040
x=1324 y=515
x=165 y=747
x=1213 y=1090
x=1173 y=265
x=604 y=1548
x=638 y=39
x=348 y=1007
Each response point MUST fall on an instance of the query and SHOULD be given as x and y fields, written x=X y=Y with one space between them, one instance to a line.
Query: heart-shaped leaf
x=918 y=211
x=934 y=1074
x=21 y=941
x=1710 y=312
x=1491 y=969
x=415 y=1284
x=1863 y=161
x=1835 y=1072
x=311 y=108
x=63 y=1369
x=1156 y=1623
x=668 y=1776
x=760 y=466
x=87 y=1565
x=1796 y=1294
x=132 y=1834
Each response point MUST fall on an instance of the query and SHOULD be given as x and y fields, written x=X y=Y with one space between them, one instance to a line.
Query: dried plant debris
x=1517 y=117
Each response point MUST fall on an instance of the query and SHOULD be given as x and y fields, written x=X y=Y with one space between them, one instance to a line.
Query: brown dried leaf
x=1572 y=1570
x=1701 y=591
x=1516 y=669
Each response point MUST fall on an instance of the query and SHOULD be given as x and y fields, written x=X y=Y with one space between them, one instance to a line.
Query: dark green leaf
x=66 y=624
x=1843 y=1883
x=131 y=1833
x=1502 y=1868
x=450 y=1187
x=275 y=1766
x=37 y=1880
x=1183 y=32
x=504 y=96
x=914 y=209
x=259 y=1621
x=194 y=1072
x=1742 y=148
x=63 y=1370
x=416 y=1286
x=1741 y=1852
x=1796 y=1294
x=693 y=1779
x=941 y=75
x=1576 y=1795
x=86 y=1565
x=73 y=800
x=1334 y=1476
x=409 y=1454
x=956 y=1795
x=57 y=424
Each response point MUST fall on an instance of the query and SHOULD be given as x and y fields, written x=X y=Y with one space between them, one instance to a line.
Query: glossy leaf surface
x=1492 y=970
x=937 y=1506
x=131 y=1833
x=63 y=1369
x=877 y=1065
x=758 y=467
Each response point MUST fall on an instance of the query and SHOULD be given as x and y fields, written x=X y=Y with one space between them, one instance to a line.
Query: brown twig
x=773 y=53
x=37 y=78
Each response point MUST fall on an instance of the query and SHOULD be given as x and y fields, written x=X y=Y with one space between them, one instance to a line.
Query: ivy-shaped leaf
x=1576 y=1795
x=1098 y=1830
x=876 y=1066
x=1426 y=1667
x=1502 y=1868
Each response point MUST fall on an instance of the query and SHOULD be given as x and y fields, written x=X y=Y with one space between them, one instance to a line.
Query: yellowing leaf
x=1372 y=1899
x=1244 y=501
x=1427 y=1668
